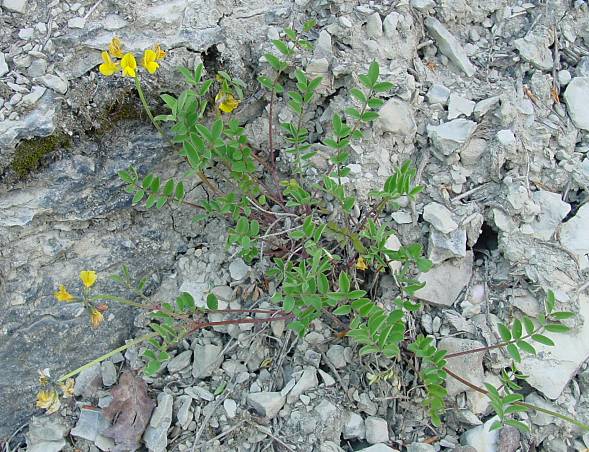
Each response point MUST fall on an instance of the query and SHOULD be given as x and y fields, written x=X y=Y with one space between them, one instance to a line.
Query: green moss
x=29 y=153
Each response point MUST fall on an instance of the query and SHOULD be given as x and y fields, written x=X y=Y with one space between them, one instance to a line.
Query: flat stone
x=238 y=269
x=438 y=94
x=46 y=434
x=207 y=359
x=198 y=291
x=328 y=380
x=469 y=367
x=422 y=5
x=440 y=217
x=506 y=138
x=156 y=433
x=76 y=22
x=451 y=136
x=37 y=68
x=482 y=438
x=393 y=243
x=55 y=83
x=198 y=392
x=108 y=372
x=16 y=6
x=551 y=373
x=179 y=362
x=354 y=426
x=88 y=382
x=378 y=448
x=266 y=404
x=534 y=51
x=459 y=106
x=473 y=151
x=576 y=96
x=327 y=411
x=420 y=447
x=374 y=26
x=336 y=356
x=574 y=235
x=564 y=77
x=582 y=68
x=445 y=281
x=449 y=45
x=396 y=117
x=442 y=247
x=230 y=408
x=390 y=23
x=3 y=65
x=377 y=430
x=482 y=107
x=90 y=424
x=552 y=211
x=184 y=415
x=31 y=99
x=308 y=380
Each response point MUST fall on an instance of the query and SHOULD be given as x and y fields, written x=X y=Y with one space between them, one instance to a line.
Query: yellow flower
x=361 y=264
x=116 y=47
x=108 y=68
x=96 y=317
x=226 y=102
x=129 y=65
x=68 y=388
x=88 y=278
x=159 y=53
x=63 y=295
x=44 y=376
x=149 y=61
x=48 y=400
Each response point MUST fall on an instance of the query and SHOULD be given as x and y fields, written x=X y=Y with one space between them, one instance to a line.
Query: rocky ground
x=491 y=104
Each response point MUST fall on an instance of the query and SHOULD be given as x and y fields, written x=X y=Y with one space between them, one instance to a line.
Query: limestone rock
x=377 y=430
x=449 y=45
x=451 y=136
x=46 y=434
x=266 y=404
x=459 y=106
x=576 y=97
x=469 y=367
x=17 y=6
x=439 y=217
x=396 y=116
x=156 y=434
x=442 y=246
x=552 y=211
x=574 y=235
x=3 y=65
x=445 y=281
x=207 y=359
x=532 y=49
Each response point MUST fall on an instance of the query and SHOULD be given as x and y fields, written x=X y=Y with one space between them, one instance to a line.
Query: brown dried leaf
x=129 y=412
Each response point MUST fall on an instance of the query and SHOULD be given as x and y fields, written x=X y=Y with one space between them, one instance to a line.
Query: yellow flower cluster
x=128 y=63
x=88 y=278
x=48 y=398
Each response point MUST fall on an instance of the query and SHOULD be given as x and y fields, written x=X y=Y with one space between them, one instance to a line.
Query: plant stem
x=146 y=106
x=524 y=404
x=492 y=347
x=122 y=300
x=106 y=356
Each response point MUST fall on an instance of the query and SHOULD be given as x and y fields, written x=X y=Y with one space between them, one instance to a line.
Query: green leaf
x=152 y=367
x=528 y=324
x=556 y=328
x=375 y=103
x=169 y=188
x=543 y=339
x=550 y=301
x=322 y=283
x=504 y=332
x=528 y=348
x=309 y=25
x=358 y=94
x=496 y=426
x=516 y=329
x=383 y=87
x=373 y=73
x=343 y=310
x=151 y=200
x=367 y=349
x=139 y=194
x=562 y=315
x=282 y=47
x=212 y=302
x=514 y=352
x=517 y=424
x=344 y=282
x=369 y=116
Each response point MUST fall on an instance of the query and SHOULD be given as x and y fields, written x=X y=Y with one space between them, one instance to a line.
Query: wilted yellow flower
x=48 y=400
x=361 y=264
x=159 y=53
x=63 y=295
x=149 y=61
x=96 y=317
x=226 y=102
x=116 y=47
x=129 y=65
x=88 y=278
x=109 y=67
x=44 y=376
x=68 y=388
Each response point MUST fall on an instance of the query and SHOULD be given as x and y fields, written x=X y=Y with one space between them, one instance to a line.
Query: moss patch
x=29 y=153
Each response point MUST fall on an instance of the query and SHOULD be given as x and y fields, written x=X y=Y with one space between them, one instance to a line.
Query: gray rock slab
x=442 y=247
x=156 y=434
x=445 y=281
x=451 y=136
x=574 y=235
x=46 y=434
x=179 y=362
x=440 y=217
x=552 y=211
x=469 y=367
x=3 y=65
x=377 y=430
x=266 y=404
x=396 y=117
x=16 y=6
x=207 y=359
x=308 y=380
x=449 y=45
x=90 y=424
x=534 y=51
x=576 y=96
